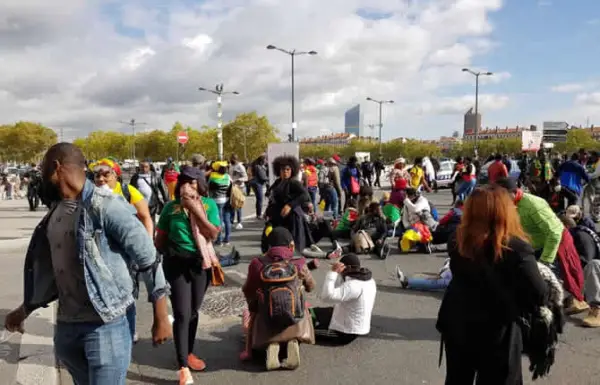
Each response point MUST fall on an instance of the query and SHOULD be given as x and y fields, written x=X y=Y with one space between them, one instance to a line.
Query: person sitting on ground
x=289 y=322
x=365 y=198
x=414 y=205
x=320 y=228
x=448 y=224
x=587 y=241
x=344 y=227
x=592 y=293
x=426 y=281
x=576 y=214
x=374 y=225
x=353 y=290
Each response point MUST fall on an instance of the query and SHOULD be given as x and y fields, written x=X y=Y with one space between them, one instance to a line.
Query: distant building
x=470 y=122
x=499 y=133
x=338 y=139
x=353 y=121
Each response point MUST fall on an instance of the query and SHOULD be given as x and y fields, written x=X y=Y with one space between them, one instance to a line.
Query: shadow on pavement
x=403 y=329
x=220 y=350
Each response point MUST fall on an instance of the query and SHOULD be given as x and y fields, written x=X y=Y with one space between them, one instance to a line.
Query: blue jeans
x=131 y=316
x=312 y=191
x=427 y=284
x=465 y=189
x=225 y=217
x=259 y=192
x=95 y=353
x=236 y=214
x=331 y=201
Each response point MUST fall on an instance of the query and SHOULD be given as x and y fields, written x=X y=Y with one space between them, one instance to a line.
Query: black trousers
x=188 y=285
x=377 y=178
x=568 y=195
x=321 y=230
x=491 y=365
x=322 y=319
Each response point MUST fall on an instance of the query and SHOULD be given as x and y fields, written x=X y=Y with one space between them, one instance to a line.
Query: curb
x=37 y=362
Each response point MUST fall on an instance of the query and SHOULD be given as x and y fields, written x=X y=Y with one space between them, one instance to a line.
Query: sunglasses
x=104 y=173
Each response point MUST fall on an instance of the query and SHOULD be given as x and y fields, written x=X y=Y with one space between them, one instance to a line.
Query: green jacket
x=542 y=225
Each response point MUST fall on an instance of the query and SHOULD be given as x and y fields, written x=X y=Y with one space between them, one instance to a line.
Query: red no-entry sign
x=182 y=137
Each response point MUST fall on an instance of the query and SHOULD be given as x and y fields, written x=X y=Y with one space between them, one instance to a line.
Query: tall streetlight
x=293 y=53
x=381 y=103
x=132 y=123
x=219 y=92
x=477 y=75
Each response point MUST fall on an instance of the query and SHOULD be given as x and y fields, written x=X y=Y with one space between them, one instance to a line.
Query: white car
x=443 y=177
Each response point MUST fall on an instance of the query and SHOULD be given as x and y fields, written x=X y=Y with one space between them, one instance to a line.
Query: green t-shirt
x=176 y=223
x=391 y=212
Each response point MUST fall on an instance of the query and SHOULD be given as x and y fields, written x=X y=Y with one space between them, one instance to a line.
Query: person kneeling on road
x=352 y=289
x=274 y=291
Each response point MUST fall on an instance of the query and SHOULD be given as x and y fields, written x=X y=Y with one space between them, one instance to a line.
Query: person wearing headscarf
x=260 y=334
x=170 y=174
x=219 y=189
x=286 y=201
x=352 y=290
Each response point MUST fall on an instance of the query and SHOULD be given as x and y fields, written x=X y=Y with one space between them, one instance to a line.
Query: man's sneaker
x=315 y=248
x=195 y=363
x=273 y=357
x=293 y=355
x=592 y=320
x=239 y=226
x=401 y=277
x=135 y=338
x=185 y=377
x=577 y=307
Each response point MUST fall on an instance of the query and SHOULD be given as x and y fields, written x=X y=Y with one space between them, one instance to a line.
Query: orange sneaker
x=185 y=377
x=195 y=363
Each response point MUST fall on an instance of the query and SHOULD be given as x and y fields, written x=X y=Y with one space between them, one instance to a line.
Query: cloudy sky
x=83 y=65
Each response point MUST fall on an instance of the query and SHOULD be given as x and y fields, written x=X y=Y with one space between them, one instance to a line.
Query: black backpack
x=280 y=297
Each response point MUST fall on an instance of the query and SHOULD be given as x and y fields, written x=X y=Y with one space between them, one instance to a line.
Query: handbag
x=207 y=252
x=354 y=186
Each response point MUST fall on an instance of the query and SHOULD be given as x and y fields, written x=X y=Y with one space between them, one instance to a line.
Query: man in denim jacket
x=80 y=253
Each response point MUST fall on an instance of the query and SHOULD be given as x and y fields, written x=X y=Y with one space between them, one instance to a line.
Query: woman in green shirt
x=183 y=261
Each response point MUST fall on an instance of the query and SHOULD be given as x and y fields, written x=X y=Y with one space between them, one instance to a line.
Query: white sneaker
x=315 y=248
x=401 y=277
x=239 y=226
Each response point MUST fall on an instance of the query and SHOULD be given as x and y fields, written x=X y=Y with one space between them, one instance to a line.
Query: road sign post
x=182 y=139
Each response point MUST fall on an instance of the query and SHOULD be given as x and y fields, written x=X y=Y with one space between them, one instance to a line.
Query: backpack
x=280 y=297
x=236 y=197
x=126 y=192
x=363 y=244
x=324 y=180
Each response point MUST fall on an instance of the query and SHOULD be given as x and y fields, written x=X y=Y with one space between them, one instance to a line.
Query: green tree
x=25 y=141
x=248 y=136
x=576 y=139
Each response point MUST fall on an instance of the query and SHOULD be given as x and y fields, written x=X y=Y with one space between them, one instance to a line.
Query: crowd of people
x=521 y=255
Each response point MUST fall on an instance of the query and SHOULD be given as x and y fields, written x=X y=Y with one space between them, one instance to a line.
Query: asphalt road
x=402 y=348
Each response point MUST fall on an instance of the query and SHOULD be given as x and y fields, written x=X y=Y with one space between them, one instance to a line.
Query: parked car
x=514 y=172
x=443 y=177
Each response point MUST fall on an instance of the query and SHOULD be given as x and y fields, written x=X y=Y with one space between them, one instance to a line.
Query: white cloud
x=460 y=104
x=589 y=99
x=145 y=59
x=568 y=88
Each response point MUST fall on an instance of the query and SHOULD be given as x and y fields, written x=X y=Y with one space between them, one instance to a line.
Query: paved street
x=402 y=348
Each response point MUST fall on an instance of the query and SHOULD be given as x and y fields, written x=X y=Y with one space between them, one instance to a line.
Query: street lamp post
x=477 y=74
x=132 y=123
x=381 y=103
x=219 y=92
x=293 y=53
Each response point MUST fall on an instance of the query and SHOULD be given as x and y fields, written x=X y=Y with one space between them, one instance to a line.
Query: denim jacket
x=110 y=240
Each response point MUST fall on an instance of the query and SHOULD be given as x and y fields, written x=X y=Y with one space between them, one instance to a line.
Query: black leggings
x=188 y=286
x=322 y=319
x=321 y=230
